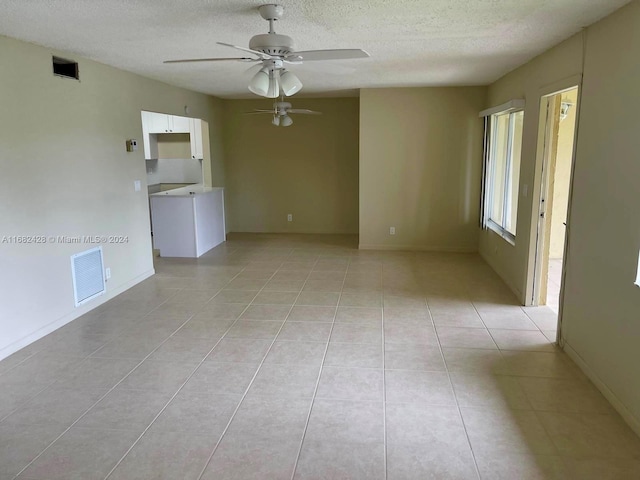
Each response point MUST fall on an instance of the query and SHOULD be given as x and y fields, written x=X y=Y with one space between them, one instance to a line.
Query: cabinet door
x=195 y=135
x=150 y=142
x=158 y=122
x=180 y=124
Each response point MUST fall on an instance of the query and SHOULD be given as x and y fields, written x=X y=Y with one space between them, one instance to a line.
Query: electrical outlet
x=136 y=185
x=107 y=273
x=290 y=217
x=392 y=230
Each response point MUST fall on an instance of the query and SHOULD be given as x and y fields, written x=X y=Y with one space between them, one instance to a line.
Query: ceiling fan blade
x=304 y=111
x=188 y=60
x=253 y=69
x=340 y=54
x=263 y=56
x=336 y=68
x=255 y=112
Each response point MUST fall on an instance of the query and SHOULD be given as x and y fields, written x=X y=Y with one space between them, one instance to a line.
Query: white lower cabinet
x=187 y=224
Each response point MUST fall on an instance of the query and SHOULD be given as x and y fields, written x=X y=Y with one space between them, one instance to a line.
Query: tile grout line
x=455 y=396
x=188 y=377
x=244 y=395
x=384 y=378
x=315 y=390
x=485 y=326
x=20 y=362
x=28 y=399
x=81 y=362
x=554 y=344
x=103 y=396
x=243 y=268
x=123 y=378
x=194 y=370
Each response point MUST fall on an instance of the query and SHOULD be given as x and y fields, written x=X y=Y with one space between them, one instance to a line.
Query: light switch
x=136 y=185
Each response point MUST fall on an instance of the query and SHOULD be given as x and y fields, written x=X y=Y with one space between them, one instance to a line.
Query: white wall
x=174 y=170
x=64 y=171
x=562 y=177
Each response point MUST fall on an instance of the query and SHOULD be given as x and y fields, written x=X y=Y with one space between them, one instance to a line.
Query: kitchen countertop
x=188 y=191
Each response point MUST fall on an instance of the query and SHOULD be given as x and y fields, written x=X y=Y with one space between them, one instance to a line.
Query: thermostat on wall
x=132 y=145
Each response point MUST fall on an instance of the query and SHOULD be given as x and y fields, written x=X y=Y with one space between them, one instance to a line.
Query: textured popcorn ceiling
x=411 y=42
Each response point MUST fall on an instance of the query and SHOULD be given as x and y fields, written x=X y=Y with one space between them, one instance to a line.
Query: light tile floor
x=553 y=283
x=300 y=357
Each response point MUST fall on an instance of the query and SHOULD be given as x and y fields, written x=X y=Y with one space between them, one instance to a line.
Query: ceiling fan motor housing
x=272 y=44
x=282 y=107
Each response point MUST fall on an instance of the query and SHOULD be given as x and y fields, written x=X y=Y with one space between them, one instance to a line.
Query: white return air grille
x=88 y=280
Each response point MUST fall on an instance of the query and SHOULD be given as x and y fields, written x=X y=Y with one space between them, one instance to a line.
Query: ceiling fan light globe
x=286 y=121
x=290 y=83
x=274 y=86
x=260 y=83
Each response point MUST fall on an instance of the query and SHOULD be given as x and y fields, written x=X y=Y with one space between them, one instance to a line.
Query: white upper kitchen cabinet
x=199 y=135
x=157 y=122
x=179 y=124
x=149 y=141
x=154 y=124
x=163 y=123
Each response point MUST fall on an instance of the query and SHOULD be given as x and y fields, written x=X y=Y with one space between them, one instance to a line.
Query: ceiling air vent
x=65 y=68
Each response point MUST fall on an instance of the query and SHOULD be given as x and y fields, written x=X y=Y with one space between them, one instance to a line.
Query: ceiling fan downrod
x=272 y=13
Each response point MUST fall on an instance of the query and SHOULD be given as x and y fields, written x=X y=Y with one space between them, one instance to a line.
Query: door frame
x=541 y=182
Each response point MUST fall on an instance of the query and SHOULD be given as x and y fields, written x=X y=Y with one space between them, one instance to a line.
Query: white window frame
x=512 y=107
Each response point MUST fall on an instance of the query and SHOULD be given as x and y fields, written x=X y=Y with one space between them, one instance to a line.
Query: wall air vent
x=88 y=279
x=65 y=68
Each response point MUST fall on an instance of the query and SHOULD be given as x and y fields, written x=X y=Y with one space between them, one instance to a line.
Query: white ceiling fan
x=274 y=51
x=281 y=112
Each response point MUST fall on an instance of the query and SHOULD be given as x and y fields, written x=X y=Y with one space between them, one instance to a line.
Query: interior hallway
x=553 y=284
x=278 y=356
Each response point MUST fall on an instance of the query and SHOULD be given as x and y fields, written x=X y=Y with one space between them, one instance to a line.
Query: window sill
x=504 y=234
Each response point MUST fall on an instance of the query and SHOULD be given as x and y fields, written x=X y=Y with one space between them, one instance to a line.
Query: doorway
x=559 y=113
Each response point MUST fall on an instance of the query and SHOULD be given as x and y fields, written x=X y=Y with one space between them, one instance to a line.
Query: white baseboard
x=624 y=412
x=417 y=248
x=78 y=312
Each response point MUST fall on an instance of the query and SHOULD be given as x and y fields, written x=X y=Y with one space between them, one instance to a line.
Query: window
x=637 y=282
x=503 y=144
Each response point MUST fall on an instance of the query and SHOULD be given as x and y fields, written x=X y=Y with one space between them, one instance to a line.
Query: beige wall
x=601 y=308
x=174 y=145
x=527 y=82
x=65 y=171
x=562 y=177
x=309 y=169
x=601 y=312
x=420 y=151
